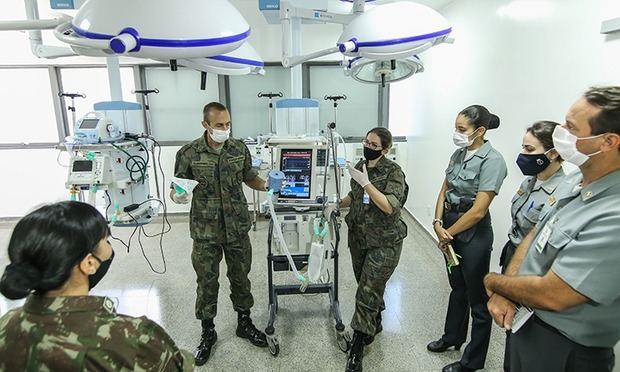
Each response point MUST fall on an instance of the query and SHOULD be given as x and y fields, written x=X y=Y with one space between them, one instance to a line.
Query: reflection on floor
x=416 y=299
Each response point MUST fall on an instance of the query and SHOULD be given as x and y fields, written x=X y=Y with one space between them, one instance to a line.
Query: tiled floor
x=416 y=299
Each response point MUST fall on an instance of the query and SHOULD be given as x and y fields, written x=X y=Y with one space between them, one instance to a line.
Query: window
x=404 y=109
x=26 y=107
x=358 y=113
x=176 y=112
x=250 y=114
x=94 y=83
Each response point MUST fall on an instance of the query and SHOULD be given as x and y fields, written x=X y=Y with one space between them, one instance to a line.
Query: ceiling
x=435 y=4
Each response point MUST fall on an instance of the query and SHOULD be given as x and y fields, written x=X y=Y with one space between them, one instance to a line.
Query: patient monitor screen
x=89 y=123
x=296 y=164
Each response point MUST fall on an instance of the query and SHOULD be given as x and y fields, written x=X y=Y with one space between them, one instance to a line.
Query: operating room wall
x=525 y=61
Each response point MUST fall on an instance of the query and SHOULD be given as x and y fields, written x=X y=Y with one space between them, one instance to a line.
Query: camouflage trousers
x=206 y=258
x=372 y=268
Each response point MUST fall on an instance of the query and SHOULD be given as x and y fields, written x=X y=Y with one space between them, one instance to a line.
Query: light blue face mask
x=565 y=144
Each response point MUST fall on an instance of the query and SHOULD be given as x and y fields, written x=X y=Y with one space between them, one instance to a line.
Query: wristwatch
x=437 y=220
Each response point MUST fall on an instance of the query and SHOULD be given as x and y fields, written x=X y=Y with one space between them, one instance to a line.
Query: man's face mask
x=218 y=135
x=565 y=144
x=95 y=278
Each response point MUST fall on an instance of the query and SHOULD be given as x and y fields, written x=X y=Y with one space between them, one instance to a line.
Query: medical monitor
x=298 y=166
x=89 y=123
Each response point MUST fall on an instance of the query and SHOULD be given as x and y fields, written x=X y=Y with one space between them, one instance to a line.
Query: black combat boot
x=354 y=363
x=369 y=339
x=207 y=340
x=245 y=329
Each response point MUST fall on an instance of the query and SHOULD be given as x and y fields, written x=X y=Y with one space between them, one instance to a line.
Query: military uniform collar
x=201 y=145
x=601 y=185
x=381 y=164
x=482 y=151
x=551 y=183
x=38 y=304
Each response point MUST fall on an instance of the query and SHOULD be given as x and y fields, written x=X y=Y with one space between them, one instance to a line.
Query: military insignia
x=551 y=200
x=588 y=194
x=108 y=305
x=520 y=192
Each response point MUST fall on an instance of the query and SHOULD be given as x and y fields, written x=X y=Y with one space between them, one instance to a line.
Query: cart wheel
x=344 y=341
x=274 y=346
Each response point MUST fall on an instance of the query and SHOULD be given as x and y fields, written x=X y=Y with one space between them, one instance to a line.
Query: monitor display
x=296 y=164
x=89 y=123
x=82 y=166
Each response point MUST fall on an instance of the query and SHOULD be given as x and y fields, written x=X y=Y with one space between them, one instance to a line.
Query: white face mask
x=218 y=135
x=462 y=139
x=565 y=144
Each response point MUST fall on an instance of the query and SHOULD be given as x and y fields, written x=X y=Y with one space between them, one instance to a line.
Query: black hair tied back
x=18 y=280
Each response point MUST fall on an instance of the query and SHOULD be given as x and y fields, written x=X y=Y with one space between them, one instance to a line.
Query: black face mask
x=532 y=164
x=371 y=154
x=94 y=279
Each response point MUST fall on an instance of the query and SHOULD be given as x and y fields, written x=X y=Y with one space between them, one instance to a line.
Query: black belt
x=457 y=208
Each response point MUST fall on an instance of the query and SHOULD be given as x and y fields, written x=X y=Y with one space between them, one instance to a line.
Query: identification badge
x=366 y=199
x=522 y=315
x=541 y=242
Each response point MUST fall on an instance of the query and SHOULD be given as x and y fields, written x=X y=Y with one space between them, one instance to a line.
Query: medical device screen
x=82 y=166
x=296 y=164
x=89 y=123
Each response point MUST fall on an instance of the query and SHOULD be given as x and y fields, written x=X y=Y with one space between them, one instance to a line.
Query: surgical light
x=383 y=71
x=157 y=29
x=241 y=61
x=379 y=44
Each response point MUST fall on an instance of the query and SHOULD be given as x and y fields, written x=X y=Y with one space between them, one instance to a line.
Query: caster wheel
x=273 y=345
x=344 y=341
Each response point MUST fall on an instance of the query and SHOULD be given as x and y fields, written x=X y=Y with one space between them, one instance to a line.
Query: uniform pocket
x=532 y=215
x=558 y=239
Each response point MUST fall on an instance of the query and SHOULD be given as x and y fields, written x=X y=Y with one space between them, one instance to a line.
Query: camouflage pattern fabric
x=206 y=257
x=367 y=219
x=219 y=211
x=219 y=219
x=84 y=333
x=375 y=240
x=372 y=268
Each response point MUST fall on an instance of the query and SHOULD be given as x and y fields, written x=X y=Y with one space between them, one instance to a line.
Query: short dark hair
x=608 y=100
x=543 y=131
x=384 y=135
x=47 y=244
x=479 y=116
x=212 y=106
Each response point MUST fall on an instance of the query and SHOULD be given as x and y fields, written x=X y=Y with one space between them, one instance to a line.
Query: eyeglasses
x=371 y=145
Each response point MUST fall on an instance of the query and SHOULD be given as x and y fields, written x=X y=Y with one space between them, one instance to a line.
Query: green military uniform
x=578 y=241
x=375 y=240
x=219 y=220
x=481 y=171
x=84 y=333
x=530 y=204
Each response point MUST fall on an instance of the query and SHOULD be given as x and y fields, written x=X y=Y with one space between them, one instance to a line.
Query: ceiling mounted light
x=393 y=31
x=241 y=61
x=384 y=71
x=380 y=44
x=157 y=29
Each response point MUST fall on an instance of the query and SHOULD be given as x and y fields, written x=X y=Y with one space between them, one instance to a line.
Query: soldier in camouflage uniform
x=376 y=233
x=58 y=253
x=219 y=222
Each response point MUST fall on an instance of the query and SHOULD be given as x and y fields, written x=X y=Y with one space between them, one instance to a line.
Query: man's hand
x=359 y=177
x=329 y=209
x=502 y=310
x=182 y=198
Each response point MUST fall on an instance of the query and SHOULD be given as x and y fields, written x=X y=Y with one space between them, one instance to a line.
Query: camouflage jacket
x=219 y=210
x=84 y=333
x=368 y=220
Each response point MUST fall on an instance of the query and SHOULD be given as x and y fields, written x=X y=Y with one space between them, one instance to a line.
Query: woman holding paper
x=463 y=225
x=542 y=166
